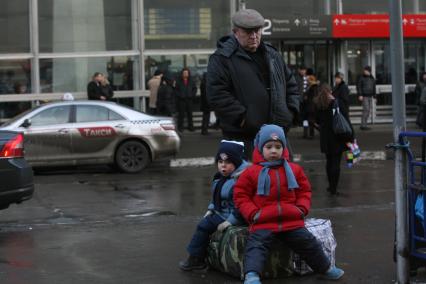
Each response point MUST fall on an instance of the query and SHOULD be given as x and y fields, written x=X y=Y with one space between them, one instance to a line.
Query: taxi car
x=94 y=132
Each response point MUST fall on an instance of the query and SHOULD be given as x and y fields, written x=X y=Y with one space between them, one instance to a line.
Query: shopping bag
x=341 y=126
x=323 y=232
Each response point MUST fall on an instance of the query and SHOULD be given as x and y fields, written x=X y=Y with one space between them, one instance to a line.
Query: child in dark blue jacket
x=221 y=211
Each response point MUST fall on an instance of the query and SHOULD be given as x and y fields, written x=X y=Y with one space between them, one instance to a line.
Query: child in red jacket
x=274 y=196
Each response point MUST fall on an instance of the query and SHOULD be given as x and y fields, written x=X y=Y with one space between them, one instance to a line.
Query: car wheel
x=132 y=157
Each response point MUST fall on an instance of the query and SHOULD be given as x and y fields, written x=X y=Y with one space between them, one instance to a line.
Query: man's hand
x=208 y=213
x=222 y=226
x=103 y=98
x=360 y=98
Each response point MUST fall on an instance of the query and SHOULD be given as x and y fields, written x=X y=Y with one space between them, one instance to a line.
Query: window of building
x=357 y=57
x=14 y=26
x=374 y=7
x=191 y=24
x=15 y=76
x=85 y=25
x=381 y=53
x=73 y=74
x=173 y=64
x=294 y=8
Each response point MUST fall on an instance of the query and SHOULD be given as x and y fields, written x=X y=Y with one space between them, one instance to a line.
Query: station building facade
x=50 y=47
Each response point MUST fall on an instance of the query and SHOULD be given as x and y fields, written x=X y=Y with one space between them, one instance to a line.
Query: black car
x=16 y=174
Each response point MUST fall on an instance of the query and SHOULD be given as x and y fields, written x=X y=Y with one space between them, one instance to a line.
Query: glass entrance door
x=312 y=55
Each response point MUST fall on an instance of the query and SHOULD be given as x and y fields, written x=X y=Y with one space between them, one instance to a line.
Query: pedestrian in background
x=331 y=145
x=204 y=106
x=308 y=107
x=106 y=89
x=420 y=92
x=94 y=90
x=185 y=94
x=341 y=90
x=302 y=80
x=153 y=85
x=248 y=83
x=366 y=89
x=166 y=96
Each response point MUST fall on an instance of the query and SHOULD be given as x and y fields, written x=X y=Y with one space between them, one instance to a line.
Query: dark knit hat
x=231 y=151
x=269 y=132
x=367 y=68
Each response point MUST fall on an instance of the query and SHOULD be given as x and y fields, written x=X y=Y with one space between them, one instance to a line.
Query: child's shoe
x=193 y=263
x=252 y=278
x=333 y=273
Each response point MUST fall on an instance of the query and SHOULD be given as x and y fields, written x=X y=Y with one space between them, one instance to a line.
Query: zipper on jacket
x=280 y=226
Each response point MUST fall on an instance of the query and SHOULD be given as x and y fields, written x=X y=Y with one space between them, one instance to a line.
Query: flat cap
x=248 y=19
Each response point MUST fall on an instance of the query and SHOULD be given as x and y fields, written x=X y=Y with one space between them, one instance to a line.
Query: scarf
x=264 y=181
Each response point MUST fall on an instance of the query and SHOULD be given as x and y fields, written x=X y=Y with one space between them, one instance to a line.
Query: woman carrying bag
x=336 y=130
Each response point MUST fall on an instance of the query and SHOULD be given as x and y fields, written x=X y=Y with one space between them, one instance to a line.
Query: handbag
x=341 y=126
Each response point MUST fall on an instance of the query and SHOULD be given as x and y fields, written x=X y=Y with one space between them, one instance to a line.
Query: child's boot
x=333 y=273
x=252 y=278
x=193 y=263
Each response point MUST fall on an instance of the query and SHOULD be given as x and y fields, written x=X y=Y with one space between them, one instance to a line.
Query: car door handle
x=63 y=131
x=119 y=126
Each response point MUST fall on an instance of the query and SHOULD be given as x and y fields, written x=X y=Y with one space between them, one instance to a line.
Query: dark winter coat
x=165 y=99
x=107 y=91
x=185 y=91
x=283 y=209
x=342 y=92
x=236 y=91
x=308 y=105
x=94 y=91
x=204 y=104
x=329 y=142
x=366 y=86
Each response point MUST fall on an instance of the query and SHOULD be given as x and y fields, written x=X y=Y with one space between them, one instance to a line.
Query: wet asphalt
x=93 y=225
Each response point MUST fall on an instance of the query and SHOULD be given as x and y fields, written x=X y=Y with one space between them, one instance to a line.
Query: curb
x=208 y=161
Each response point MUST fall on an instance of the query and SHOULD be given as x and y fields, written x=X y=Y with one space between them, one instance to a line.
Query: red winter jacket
x=281 y=210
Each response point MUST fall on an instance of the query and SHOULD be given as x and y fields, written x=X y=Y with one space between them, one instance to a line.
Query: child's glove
x=222 y=226
x=208 y=213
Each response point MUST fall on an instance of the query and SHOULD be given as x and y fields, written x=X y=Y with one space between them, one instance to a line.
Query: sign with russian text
x=376 y=26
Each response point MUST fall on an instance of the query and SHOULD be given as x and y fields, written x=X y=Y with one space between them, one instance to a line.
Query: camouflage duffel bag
x=226 y=253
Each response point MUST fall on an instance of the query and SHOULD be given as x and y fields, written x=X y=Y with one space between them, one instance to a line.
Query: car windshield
x=19 y=116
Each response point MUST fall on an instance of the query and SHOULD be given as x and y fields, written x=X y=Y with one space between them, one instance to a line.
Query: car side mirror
x=26 y=123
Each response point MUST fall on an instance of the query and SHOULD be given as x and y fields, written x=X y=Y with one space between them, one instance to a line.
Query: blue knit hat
x=269 y=132
x=232 y=151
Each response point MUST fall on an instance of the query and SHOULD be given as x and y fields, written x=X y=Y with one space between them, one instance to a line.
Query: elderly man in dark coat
x=248 y=83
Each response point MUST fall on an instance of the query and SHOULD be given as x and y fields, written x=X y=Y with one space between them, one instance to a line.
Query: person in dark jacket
x=421 y=99
x=185 y=94
x=106 y=89
x=94 y=90
x=366 y=89
x=165 y=100
x=308 y=107
x=331 y=144
x=204 y=106
x=248 y=83
x=341 y=91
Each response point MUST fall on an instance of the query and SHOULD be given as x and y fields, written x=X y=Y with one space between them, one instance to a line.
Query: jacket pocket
x=268 y=214
x=291 y=212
